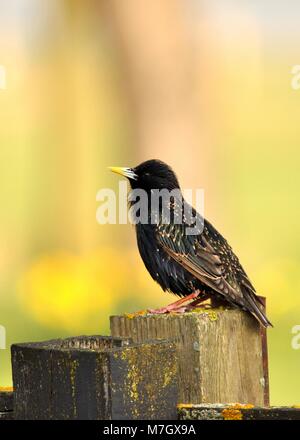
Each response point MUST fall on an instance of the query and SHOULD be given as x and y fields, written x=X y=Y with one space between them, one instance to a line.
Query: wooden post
x=6 y=404
x=95 y=378
x=220 y=353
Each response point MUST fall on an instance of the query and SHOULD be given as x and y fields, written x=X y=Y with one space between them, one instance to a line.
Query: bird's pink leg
x=176 y=305
x=195 y=303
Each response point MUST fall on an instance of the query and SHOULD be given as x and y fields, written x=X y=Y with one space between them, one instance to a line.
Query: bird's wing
x=210 y=259
x=200 y=256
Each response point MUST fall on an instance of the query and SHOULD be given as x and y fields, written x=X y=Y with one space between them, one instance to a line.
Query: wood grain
x=220 y=353
x=94 y=378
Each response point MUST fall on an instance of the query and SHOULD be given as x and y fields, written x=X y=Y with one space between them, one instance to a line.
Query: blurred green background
x=203 y=85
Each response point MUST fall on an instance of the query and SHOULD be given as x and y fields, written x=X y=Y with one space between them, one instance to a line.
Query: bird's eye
x=147 y=174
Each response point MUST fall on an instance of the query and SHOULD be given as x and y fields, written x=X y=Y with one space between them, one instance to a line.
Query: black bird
x=194 y=267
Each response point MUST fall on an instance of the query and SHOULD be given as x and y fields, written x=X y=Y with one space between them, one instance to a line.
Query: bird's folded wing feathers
x=197 y=256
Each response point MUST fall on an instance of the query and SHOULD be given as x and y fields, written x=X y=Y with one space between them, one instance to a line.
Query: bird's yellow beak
x=126 y=172
x=118 y=170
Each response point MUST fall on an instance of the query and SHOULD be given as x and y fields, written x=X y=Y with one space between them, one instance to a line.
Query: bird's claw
x=167 y=309
x=178 y=306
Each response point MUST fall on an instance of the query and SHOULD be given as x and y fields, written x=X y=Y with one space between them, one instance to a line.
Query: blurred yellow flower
x=74 y=292
x=62 y=289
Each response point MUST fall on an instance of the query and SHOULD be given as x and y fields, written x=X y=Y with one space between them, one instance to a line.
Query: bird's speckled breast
x=170 y=275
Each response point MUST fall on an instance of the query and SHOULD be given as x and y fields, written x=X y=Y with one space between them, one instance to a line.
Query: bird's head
x=152 y=174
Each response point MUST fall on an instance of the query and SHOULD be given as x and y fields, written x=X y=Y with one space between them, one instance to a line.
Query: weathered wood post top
x=95 y=378
x=222 y=353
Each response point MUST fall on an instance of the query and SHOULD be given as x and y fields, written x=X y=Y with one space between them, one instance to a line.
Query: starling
x=197 y=266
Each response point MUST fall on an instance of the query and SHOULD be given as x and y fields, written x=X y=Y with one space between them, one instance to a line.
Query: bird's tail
x=256 y=307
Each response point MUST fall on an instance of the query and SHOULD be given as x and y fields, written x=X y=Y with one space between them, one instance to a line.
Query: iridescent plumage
x=183 y=263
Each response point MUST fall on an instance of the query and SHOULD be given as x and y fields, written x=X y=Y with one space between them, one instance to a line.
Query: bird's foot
x=194 y=304
x=167 y=309
x=176 y=307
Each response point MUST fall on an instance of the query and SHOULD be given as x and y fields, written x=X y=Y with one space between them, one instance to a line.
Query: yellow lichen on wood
x=184 y=405
x=212 y=315
x=208 y=311
x=242 y=406
x=232 y=414
x=6 y=389
x=133 y=315
x=138 y=360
